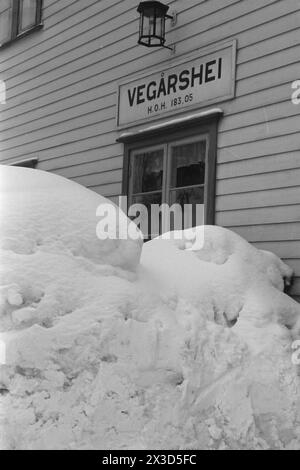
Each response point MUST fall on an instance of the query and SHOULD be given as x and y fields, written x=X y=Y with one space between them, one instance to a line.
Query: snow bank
x=191 y=351
x=224 y=277
x=41 y=210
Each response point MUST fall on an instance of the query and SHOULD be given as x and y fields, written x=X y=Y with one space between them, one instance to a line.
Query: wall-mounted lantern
x=152 y=24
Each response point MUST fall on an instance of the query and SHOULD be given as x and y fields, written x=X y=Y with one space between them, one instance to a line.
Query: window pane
x=150 y=228
x=188 y=196
x=148 y=171
x=5 y=20
x=147 y=199
x=27 y=14
x=192 y=216
x=188 y=164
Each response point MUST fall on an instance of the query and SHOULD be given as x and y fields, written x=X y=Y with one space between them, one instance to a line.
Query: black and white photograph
x=149 y=228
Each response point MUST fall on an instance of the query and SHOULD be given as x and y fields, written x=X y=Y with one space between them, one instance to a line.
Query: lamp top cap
x=152 y=4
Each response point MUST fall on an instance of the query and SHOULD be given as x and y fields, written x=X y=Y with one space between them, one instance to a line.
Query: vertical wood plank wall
x=61 y=103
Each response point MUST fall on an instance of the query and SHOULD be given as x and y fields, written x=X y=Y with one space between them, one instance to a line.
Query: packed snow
x=108 y=344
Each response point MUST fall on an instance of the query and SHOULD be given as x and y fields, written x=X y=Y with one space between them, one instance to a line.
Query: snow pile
x=225 y=278
x=190 y=349
x=68 y=215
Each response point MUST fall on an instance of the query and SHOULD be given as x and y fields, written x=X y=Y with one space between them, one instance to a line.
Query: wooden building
x=85 y=101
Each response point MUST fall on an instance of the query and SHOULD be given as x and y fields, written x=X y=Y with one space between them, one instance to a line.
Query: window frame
x=167 y=167
x=166 y=135
x=15 y=25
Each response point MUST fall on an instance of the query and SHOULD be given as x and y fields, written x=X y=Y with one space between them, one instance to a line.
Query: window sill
x=37 y=27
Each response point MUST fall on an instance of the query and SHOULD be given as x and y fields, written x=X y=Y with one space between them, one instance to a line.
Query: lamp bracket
x=172 y=48
x=173 y=17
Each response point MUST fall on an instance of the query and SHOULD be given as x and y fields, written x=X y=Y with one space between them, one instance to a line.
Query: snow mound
x=223 y=276
x=190 y=351
x=40 y=210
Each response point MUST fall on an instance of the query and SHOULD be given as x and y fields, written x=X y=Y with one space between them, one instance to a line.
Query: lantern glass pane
x=160 y=27
x=148 y=26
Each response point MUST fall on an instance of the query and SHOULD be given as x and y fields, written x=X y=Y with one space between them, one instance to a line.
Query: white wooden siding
x=61 y=103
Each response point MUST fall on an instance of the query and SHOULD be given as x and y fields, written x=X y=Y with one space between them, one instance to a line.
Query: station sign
x=193 y=83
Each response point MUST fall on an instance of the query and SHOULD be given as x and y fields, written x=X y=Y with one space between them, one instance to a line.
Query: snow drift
x=43 y=211
x=190 y=349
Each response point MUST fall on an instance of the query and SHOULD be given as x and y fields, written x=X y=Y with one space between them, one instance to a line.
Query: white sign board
x=194 y=82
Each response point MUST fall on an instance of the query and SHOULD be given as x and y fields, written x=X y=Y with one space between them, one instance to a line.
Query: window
x=173 y=165
x=18 y=17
